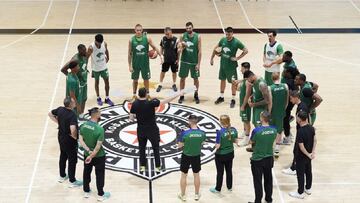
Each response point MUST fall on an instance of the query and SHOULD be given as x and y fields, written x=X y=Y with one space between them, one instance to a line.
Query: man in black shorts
x=169 y=48
x=66 y=119
x=144 y=111
x=191 y=140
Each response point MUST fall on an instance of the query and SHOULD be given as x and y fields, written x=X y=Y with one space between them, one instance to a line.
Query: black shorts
x=166 y=65
x=186 y=161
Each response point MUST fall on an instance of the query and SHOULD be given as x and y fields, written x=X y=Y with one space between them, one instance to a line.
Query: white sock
x=160 y=83
x=222 y=95
x=107 y=97
x=233 y=97
x=277 y=147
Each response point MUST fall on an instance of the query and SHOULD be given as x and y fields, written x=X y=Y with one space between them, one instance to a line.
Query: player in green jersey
x=73 y=84
x=228 y=63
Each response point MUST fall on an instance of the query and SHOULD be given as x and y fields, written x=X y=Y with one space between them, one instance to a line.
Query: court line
x=51 y=106
x=294 y=47
x=354 y=5
x=217 y=12
x=34 y=31
x=296 y=27
x=334 y=183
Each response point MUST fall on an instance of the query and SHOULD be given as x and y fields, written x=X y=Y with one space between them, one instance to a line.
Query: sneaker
x=174 y=88
x=142 y=169
x=245 y=142
x=157 y=169
x=104 y=197
x=219 y=100
x=63 y=179
x=181 y=99
x=230 y=190
x=286 y=141
x=213 y=190
x=291 y=119
x=182 y=197
x=276 y=153
x=99 y=101
x=196 y=98
x=308 y=191
x=232 y=103
x=158 y=89
x=197 y=197
x=297 y=195
x=108 y=101
x=77 y=183
x=249 y=149
x=87 y=194
x=288 y=171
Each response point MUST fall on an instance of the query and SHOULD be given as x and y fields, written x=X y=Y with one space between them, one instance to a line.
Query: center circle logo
x=121 y=143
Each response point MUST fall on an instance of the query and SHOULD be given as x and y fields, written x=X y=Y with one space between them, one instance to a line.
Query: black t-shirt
x=291 y=84
x=170 y=49
x=145 y=114
x=66 y=118
x=305 y=135
x=301 y=107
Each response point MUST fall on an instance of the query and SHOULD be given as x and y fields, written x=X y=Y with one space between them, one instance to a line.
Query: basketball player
x=288 y=61
x=99 y=58
x=82 y=59
x=262 y=161
x=169 y=48
x=138 y=58
x=144 y=111
x=225 y=139
x=273 y=51
x=191 y=141
x=228 y=63
x=305 y=145
x=91 y=139
x=67 y=122
x=190 y=59
x=312 y=100
x=73 y=85
x=280 y=100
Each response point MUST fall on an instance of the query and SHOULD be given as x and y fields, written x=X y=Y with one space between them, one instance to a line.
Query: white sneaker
x=87 y=194
x=62 y=179
x=245 y=142
x=308 y=191
x=77 y=183
x=276 y=153
x=297 y=195
x=197 y=197
x=105 y=196
x=182 y=197
x=288 y=171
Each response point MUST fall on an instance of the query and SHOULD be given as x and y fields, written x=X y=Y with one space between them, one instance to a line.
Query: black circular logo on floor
x=121 y=144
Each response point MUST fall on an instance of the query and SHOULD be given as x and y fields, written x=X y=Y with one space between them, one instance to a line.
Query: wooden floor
x=31 y=85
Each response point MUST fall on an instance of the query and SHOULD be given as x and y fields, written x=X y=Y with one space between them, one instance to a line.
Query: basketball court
x=38 y=36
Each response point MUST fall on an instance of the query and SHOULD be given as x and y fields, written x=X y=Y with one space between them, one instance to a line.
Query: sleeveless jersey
x=190 y=53
x=98 y=58
x=140 y=50
x=271 y=52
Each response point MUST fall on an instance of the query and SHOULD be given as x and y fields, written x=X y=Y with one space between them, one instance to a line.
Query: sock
x=233 y=97
x=222 y=95
x=160 y=83
x=277 y=147
x=107 y=97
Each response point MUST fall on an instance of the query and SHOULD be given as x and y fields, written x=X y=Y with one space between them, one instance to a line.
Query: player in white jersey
x=273 y=51
x=99 y=58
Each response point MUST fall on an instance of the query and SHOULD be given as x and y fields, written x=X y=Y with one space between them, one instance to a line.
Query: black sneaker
x=181 y=99
x=174 y=88
x=196 y=98
x=158 y=89
x=232 y=103
x=219 y=100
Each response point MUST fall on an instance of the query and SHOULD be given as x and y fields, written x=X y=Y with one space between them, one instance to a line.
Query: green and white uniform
x=279 y=99
x=189 y=57
x=140 y=57
x=92 y=133
x=227 y=66
x=264 y=137
x=82 y=75
x=308 y=101
x=98 y=62
x=257 y=96
x=246 y=114
x=271 y=53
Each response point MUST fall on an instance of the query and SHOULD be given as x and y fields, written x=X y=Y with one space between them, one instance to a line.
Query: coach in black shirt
x=169 y=48
x=144 y=112
x=305 y=146
x=67 y=122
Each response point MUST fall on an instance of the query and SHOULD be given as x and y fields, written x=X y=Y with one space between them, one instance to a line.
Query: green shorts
x=82 y=94
x=278 y=122
x=185 y=68
x=256 y=115
x=268 y=78
x=104 y=74
x=312 y=117
x=246 y=114
x=145 y=73
x=228 y=74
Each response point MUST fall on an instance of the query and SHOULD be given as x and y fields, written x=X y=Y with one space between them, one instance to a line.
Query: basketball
x=152 y=54
x=218 y=51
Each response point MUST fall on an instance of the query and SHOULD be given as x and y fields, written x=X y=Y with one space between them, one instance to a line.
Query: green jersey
x=225 y=137
x=72 y=85
x=264 y=137
x=257 y=94
x=83 y=72
x=307 y=100
x=192 y=140
x=140 y=50
x=290 y=65
x=279 y=99
x=190 y=53
x=92 y=133
x=242 y=91
x=228 y=50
